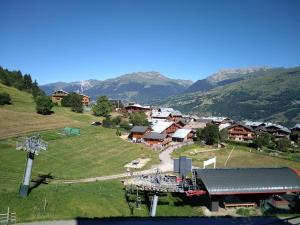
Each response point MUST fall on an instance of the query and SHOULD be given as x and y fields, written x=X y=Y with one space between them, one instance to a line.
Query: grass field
x=99 y=199
x=240 y=157
x=96 y=152
x=20 y=117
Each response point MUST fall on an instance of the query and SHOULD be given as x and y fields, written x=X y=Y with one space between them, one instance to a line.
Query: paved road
x=166 y=165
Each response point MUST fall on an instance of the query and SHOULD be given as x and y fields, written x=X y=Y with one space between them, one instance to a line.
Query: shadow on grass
x=41 y=179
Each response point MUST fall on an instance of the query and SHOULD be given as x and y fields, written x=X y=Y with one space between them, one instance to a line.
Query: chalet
x=176 y=115
x=182 y=135
x=154 y=138
x=295 y=133
x=137 y=133
x=277 y=130
x=254 y=125
x=58 y=95
x=161 y=116
x=197 y=124
x=240 y=132
x=85 y=99
x=183 y=122
x=218 y=120
x=165 y=127
x=132 y=107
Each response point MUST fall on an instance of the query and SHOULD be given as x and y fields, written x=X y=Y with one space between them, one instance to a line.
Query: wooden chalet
x=153 y=138
x=137 y=133
x=165 y=127
x=58 y=95
x=295 y=133
x=240 y=132
x=85 y=99
x=277 y=130
x=182 y=135
x=132 y=108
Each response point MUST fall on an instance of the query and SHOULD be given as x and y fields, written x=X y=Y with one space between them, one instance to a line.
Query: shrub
x=125 y=125
x=102 y=107
x=209 y=134
x=44 y=105
x=107 y=122
x=4 y=98
x=138 y=119
x=283 y=144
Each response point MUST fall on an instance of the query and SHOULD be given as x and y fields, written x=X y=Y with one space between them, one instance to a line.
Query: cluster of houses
x=58 y=95
x=169 y=126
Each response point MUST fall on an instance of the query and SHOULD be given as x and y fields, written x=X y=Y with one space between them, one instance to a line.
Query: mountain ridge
x=270 y=95
x=141 y=87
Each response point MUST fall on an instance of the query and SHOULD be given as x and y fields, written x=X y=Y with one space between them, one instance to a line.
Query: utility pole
x=32 y=145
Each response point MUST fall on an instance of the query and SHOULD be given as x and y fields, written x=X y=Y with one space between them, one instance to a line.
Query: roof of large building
x=181 y=133
x=157 y=114
x=216 y=118
x=297 y=126
x=249 y=180
x=138 y=106
x=280 y=127
x=139 y=129
x=61 y=91
x=160 y=126
x=155 y=136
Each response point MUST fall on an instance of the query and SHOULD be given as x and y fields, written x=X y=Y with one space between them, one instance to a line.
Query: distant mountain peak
x=232 y=73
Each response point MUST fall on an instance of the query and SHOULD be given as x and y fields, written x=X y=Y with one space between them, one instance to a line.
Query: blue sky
x=67 y=40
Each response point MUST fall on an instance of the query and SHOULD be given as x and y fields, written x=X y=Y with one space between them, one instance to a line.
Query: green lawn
x=99 y=199
x=241 y=157
x=96 y=152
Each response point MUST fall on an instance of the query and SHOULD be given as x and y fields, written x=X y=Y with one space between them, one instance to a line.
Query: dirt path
x=166 y=165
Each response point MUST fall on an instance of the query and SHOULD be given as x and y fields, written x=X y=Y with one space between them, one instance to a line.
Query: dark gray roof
x=155 y=136
x=249 y=180
x=139 y=129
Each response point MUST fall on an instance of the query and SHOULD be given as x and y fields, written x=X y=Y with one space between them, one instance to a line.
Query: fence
x=8 y=218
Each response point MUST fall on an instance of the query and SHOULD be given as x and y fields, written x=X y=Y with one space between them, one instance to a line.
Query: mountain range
x=269 y=94
x=255 y=93
x=142 y=87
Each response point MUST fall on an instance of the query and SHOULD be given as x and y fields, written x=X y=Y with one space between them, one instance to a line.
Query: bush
x=107 y=122
x=4 y=98
x=125 y=125
x=138 y=119
x=44 y=105
x=263 y=140
x=210 y=134
x=116 y=120
x=102 y=107
x=283 y=144
x=118 y=133
x=74 y=101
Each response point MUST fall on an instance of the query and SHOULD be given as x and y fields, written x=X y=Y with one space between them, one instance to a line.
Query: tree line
x=22 y=82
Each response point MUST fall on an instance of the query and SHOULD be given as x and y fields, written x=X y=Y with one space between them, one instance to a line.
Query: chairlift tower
x=32 y=145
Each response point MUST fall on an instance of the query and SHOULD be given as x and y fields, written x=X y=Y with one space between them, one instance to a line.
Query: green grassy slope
x=96 y=152
x=274 y=97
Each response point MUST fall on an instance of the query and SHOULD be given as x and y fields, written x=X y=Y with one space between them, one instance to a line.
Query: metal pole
x=8 y=215
x=26 y=182
x=154 y=205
